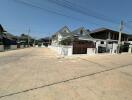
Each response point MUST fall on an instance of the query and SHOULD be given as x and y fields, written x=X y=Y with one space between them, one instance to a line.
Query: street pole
x=28 y=36
x=34 y=41
x=49 y=39
x=120 y=33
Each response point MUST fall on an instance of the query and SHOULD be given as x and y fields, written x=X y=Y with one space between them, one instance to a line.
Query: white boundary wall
x=21 y=46
x=13 y=47
x=62 y=50
x=91 y=51
x=1 y=48
x=114 y=48
x=130 y=48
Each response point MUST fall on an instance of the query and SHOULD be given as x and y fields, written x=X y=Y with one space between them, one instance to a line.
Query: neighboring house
x=60 y=35
x=79 y=40
x=43 y=42
x=8 y=40
x=1 y=29
x=109 y=40
x=83 y=41
x=1 y=38
x=25 y=41
x=1 y=34
x=105 y=33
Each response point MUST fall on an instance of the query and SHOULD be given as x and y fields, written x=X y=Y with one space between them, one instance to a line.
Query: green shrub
x=67 y=41
x=1 y=43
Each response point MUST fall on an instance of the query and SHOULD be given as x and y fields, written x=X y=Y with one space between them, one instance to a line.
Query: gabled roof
x=78 y=30
x=75 y=33
x=84 y=35
x=63 y=29
x=2 y=29
x=9 y=36
x=98 y=30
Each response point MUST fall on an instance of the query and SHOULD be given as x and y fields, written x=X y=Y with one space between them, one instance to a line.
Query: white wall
x=13 y=47
x=130 y=42
x=21 y=46
x=98 y=43
x=26 y=46
x=130 y=49
x=42 y=46
x=67 y=50
x=1 y=48
x=62 y=50
x=91 y=51
x=114 y=49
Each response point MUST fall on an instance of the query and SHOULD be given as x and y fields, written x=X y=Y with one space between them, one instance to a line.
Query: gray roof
x=7 y=35
x=84 y=35
x=103 y=29
x=78 y=30
x=73 y=33
x=62 y=30
x=98 y=30
x=65 y=34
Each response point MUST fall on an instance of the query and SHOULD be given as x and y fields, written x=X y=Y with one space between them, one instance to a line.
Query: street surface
x=41 y=74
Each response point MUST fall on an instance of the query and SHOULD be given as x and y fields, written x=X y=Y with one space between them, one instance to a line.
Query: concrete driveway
x=41 y=74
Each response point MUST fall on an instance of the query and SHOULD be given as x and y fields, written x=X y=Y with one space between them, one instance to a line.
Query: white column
x=130 y=49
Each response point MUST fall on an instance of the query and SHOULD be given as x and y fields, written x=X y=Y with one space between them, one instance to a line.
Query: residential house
x=83 y=41
x=25 y=41
x=1 y=38
x=43 y=42
x=78 y=41
x=7 y=40
x=109 y=40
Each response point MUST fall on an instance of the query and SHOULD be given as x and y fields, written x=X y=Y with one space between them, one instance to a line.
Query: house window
x=81 y=32
x=66 y=31
x=102 y=42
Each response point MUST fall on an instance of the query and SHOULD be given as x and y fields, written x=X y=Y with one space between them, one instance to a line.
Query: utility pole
x=28 y=36
x=34 y=41
x=119 y=39
x=49 y=39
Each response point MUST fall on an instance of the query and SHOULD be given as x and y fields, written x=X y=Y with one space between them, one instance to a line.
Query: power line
x=77 y=8
x=37 y=5
x=68 y=5
x=41 y=8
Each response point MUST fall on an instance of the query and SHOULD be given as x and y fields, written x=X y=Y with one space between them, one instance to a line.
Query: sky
x=38 y=16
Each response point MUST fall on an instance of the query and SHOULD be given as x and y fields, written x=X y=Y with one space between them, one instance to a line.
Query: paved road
x=40 y=74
